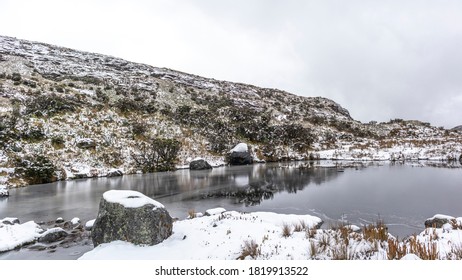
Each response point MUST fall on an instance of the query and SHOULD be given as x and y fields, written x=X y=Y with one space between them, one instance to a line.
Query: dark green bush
x=50 y=105
x=159 y=154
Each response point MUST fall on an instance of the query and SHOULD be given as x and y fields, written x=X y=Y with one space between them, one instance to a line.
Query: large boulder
x=199 y=164
x=240 y=155
x=130 y=216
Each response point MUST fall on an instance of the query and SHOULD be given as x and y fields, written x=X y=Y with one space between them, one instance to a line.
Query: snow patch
x=14 y=236
x=215 y=211
x=240 y=148
x=75 y=221
x=130 y=199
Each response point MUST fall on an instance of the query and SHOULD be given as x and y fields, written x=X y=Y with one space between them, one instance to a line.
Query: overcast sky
x=379 y=59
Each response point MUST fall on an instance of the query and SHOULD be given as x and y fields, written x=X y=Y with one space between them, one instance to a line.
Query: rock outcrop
x=130 y=216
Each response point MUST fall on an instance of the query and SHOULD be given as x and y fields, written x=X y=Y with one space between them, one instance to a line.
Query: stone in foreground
x=130 y=216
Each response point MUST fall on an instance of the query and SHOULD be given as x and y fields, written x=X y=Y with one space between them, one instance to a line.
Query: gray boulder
x=130 y=216
x=199 y=164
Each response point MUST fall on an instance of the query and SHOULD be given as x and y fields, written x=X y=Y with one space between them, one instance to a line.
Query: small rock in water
x=37 y=247
x=75 y=221
x=53 y=235
x=59 y=220
x=10 y=221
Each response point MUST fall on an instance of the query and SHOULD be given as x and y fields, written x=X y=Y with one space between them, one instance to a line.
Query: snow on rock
x=75 y=221
x=240 y=148
x=89 y=224
x=9 y=221
x=4 y=191
x=130 y=199
x=17 y=235
x=438 y=220
x=114 y=172
x=130 y=216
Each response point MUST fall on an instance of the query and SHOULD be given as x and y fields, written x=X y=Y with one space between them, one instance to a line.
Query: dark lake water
x=402 y=195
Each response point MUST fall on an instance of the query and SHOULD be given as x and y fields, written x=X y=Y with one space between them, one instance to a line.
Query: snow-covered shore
x=264 y=236
x=269 y=236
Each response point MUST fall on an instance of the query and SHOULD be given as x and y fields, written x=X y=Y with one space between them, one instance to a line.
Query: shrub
x=57 y=142
x=16 y=77
x=50 y=105
x=36 y=169
x=33 y=134
x=157 y=155
x=139 y=127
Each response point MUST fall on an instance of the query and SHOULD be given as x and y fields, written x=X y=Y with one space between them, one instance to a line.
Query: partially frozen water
x=403 y=195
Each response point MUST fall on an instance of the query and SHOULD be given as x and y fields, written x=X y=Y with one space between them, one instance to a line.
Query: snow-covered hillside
x=71 y=114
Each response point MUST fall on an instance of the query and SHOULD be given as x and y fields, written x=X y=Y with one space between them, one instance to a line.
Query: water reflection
x=361 y=192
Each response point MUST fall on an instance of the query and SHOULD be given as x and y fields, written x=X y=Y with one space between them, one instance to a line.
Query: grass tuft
x=250 y=248
x=376 y=232
x=286 y=230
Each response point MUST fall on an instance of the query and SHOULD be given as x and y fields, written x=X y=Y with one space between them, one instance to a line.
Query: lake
x=402 y=195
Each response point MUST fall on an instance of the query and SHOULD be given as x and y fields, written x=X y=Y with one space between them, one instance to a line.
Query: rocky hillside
x=67 y=114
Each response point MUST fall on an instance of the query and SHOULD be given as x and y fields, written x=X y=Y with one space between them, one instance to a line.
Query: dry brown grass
x=455 y=254
x=313 y=249
x=376 y=232
x=300 y=226
x=324 y=242
x=250 y=248
x=192 y=214
x=396 y=250
x=286 y=230
x=311 y=233
x=341 y=253
x=422 y=250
